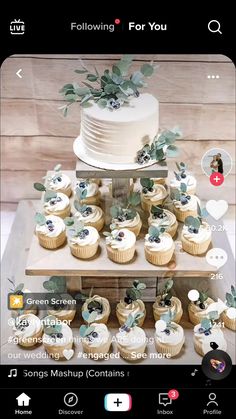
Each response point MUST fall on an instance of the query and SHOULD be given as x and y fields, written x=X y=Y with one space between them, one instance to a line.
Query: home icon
x=23 y=400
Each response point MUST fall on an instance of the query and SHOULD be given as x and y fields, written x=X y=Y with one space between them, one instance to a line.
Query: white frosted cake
x=115 y=136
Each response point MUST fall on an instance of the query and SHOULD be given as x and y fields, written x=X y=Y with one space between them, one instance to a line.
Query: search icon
x=214 y=26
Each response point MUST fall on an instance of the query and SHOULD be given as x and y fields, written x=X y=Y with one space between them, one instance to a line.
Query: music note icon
x=194 y=373
x=12 y=373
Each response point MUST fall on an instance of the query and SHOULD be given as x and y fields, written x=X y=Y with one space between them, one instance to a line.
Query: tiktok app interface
x=118 y=228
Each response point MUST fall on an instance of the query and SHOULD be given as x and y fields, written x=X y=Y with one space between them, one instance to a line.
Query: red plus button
x=217 y=179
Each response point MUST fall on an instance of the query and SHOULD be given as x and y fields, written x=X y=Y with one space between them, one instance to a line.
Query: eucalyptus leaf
x=116 y=70
x=153 y=231
x=172 y=151
x=106 y=234
x=141 y=286
x=49 y=285
x=19 y=287
x=86 y=98
x=40 y=219
x=82 y=71
x=92 y=317
x=85 y=315
x=146 y=182
x=92 y=77
x=206 y=324
x=233 y=290
x=168 y=285
x=39 y=187
x=82 y=330
x=110 y=89
x=134 y=199
x=114 y=211
x=183 y=187
x=230 y=300
x=82 y=91
x=89 y=330
x=77 y=205
x=57 y=168
x=102 y=103
x=49 y=195
x=69 y=221
x=213 y=315
x=147 y=70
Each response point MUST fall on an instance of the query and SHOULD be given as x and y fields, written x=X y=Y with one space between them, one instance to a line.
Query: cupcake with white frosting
x=87 y=192
x=57 y=337
x=166 y=302
x=127 y=217
x=196 y=235
x=131 y=339
x=61 y=305
x=184 y=204
x=132 y=304
x=159 y=246
x=120 y=245
x=182 y=176
x=160 y=216
x=96 y=338
x=58 y=181
x=58 y=205
x=83 y=241
x=90 y=215
x=169 y=336
x=28 y=330
x=229 y=314
x=152 y=194
x=100 y=306
x=208 y=335
x=199 y=305
x=50 y=230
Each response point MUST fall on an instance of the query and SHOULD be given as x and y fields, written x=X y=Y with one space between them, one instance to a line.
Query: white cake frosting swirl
x=127 y=223
x=95 y=215
x=204 y=233
x=54 y=184
x=159 y=192
x=64 y=202
x=58 y=226
x=104 y=303
x=175 y=336
x=166 y=242
x=103 y=335
x=189 y=181
x=133 y=308
x=175 y=306
x=67 y=337
x=169 y=219
x=126 y=242
x=91 y=238
x=190 y=206
x=26 y=326
x=91 y=188
x=132 y=340
x=216 y=336
x=114 y=136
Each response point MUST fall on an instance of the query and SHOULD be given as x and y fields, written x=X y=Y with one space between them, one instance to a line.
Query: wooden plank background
x=35 y=135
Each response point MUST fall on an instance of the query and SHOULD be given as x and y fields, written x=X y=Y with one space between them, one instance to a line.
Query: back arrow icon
x=18 y=73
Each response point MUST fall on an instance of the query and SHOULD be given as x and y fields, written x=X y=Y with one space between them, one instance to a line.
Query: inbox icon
x=164 y=399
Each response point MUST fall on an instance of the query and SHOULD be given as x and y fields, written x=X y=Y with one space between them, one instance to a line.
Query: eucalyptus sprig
x=168 y=319
x=182 y=167
x=134 y=293
x=166 y=293
x=125 y=213
x=57 y=173
x=81 y=189
x=49 y=195
x=154 y=233
x=87 y=330
x=111 y=89
x=52 y=327
x=194 y=223
x=208 y=322
x=75 y=228
x=16 y=289
x=40 y=219
x=231 y=297
x=131 y=321
x=147 y=185
x=55 y=284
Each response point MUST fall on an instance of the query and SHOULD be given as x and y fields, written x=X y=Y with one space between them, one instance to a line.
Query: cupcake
x=50 y=230
x=127 y=217
x=57 y=337
x=83 y=241
x=152 y=194
x=131 y=339
x=199 y=305
x=165 y=302
x=196 y=236
x=169 y=336
x=229 y=315
x=184 y=204
x=120 y=245
x=28 y=330
x=159 y=246
x=59 y=182
x=87 y=192
x=90 y=215
x=96 y=338
x=59 y=205
x=61 y=305
x=181 y=176
x=160 y=216
x=22 y=291
x=100 y=306
x=208 y=336
x=132 y=304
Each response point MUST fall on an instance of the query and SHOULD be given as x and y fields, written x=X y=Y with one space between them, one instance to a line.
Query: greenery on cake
x=55 y=284
x=111 y=90
x=49 y=195
x=121 y=214
x=131 y=321
x=135 y=292
x=55 y=177
x=155 y=233
x=157 y=212
x=194 y=223
x=75 y=228
x=201 y=299
x=181 y=194
x=181 y=174
x=231 y=297
x=16 y=289
x=166 y=294
x=208 y=323
x=87 y=331
x=161 y=147
x=168 y=319
x=52 y=327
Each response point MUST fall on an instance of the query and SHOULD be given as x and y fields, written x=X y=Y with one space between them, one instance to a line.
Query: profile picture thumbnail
x=216 y=160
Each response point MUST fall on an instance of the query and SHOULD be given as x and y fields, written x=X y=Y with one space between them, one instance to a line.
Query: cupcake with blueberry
x=199 y=305
x=22 y=291
x=127 y=217
x=120 y=245
x=58 y=181
x=90 y=215
x=229 y=315
x=100 y=306
x=83 y=241
x=57 y=337
x=196 y=235
x=132 y=304
x=96 y=338
x=166 y=302
x=50 y=230
x=184 y=204
x=160 y=216
x=61 y=305
x=131 y=339
x=87 y=192
x=54 y=203
x=169 y=336
x=208 y=335
x=28 y=330
x=152 y=194
x=181 y=176
x=159 y=246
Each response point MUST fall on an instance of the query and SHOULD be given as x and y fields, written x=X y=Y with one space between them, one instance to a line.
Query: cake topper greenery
x=131 y=322
x=49 y=196
x=52 y=327
x=168 y=319
x=194 y=223
x=111 y=90
x=121 y=214
x=55 y=284
x=166 y=293
x=55 y=177
x=155 y=233
x=75 y=228
x=231 y=298
x=135 y=292
x=208 y=323
x=181 y=195
x=87 y=331
x=16 y=289
x=181 y=174
x=158 y=211
x=81 y=189
x=200 y=299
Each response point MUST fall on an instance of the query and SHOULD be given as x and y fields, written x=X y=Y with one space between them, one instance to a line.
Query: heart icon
x=216 y=208
x=68 y=353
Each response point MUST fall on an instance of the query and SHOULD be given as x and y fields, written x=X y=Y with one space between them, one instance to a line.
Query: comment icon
x=164 y=399
x=216 y=257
